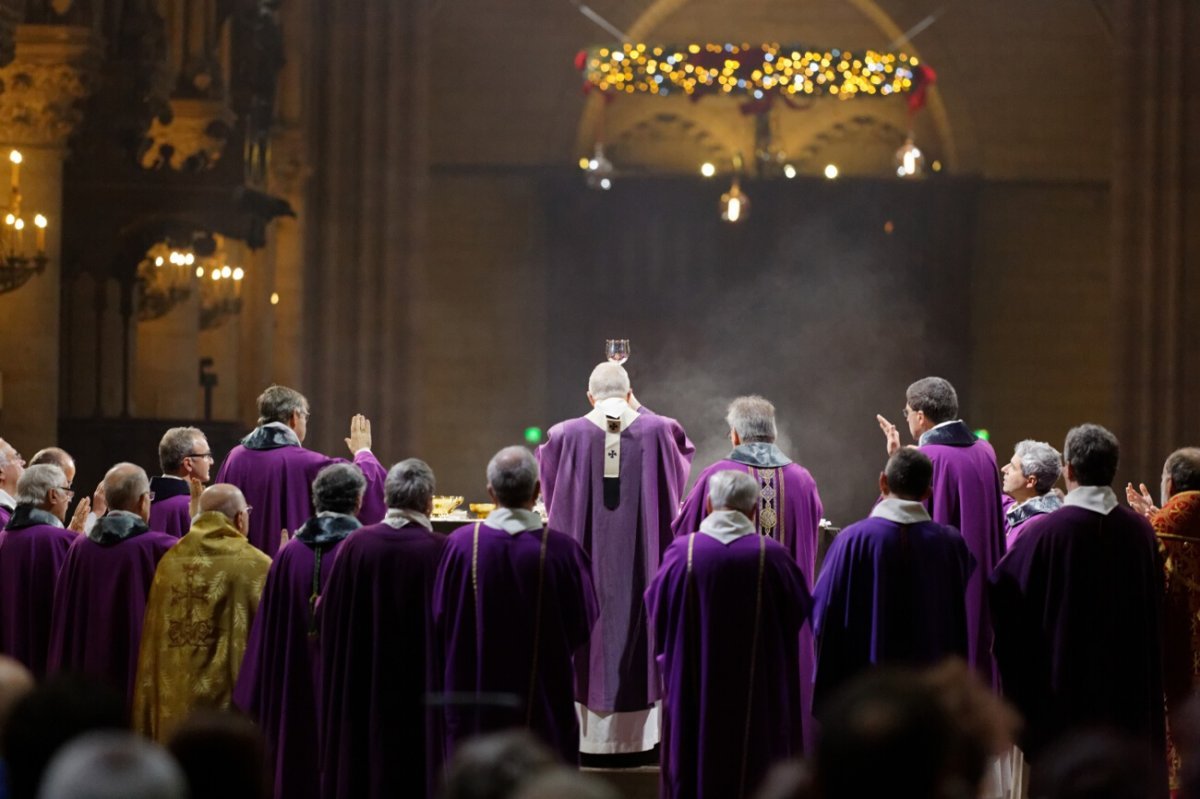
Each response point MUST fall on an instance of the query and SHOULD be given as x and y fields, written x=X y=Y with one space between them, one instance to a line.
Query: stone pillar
x=38 y=112
x=285 y=260
x=366 y=245
x=1156 y=264
x=165 y=363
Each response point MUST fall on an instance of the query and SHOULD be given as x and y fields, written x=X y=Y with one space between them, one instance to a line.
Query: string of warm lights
x=759 y=74
x=758 y=71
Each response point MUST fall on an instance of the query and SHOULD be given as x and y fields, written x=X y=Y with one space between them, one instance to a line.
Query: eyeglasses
x=908 y=412
x=66 y=490
x=151 y=495
x=247 y=509
x=206 y=455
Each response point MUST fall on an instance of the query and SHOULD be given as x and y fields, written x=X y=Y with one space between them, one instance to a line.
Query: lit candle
x=39 y=222
x=16 y=159
x=20 y=226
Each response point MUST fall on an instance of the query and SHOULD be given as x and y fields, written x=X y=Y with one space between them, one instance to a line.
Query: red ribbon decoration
x=923 y=78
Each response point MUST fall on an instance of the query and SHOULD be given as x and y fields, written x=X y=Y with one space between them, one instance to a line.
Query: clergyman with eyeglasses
x=966 y=495
x=185 y=458
x=274 y=470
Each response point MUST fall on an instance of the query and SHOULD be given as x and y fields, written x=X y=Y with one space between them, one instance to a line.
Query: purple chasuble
x=277 y=683
x=169 y=511
x=889 y=594
x=1077 y=608
x=789 y=502
x=966 y=496
x=277 y=483
x=378 y=739
x=1017 y=515
x=625 y=544
x=31 y=555
x=99 y=604
x=726 y=621
x=511 y=612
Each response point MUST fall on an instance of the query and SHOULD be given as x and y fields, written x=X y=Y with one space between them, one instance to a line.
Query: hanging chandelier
x=20 y=258
x=220 y=295
x=165 y=277
x=763 y=78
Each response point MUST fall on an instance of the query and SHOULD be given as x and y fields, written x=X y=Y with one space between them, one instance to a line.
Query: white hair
x=733 y=490
x=35 y=485
x=113 y=765
x=753 y=418
x=608 y=380
x=1039 y=459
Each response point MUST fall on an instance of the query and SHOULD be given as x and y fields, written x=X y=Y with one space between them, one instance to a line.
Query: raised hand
x=1141 y=502
x=79 y=518
x=99 y=502
x=360 y=433
x=892 y=434
x=195 y=489
x=283 y=538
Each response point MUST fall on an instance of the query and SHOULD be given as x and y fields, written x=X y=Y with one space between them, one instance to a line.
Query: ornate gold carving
x=42 y=87
x=193 y=139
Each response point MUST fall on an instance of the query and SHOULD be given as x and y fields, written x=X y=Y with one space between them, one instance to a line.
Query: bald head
x=56 y=456
x=608 y=380
x=125 y=486
x=223 y=498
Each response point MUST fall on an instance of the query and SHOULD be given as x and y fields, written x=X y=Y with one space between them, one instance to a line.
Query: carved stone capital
x=42 y=89
x=290 y=167
x=194 y=139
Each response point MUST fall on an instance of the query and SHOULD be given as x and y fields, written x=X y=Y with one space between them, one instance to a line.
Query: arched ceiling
x=1021 y=90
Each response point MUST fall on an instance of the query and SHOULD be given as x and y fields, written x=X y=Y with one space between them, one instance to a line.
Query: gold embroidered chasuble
x=203 y=599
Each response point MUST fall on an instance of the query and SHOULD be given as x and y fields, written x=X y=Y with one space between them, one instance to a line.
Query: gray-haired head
x=608 y=380
x=176 y=444
x=112 y=765
x=278 y=403
x=733 y=490
x=1183 y=468
x=753 y=418
x=935 y=397
x=1092 y=452
x=512 y=475
x=410 y=486
x=338 y=488
x=35 y=485
x=1039 y=459
x=124 y=486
